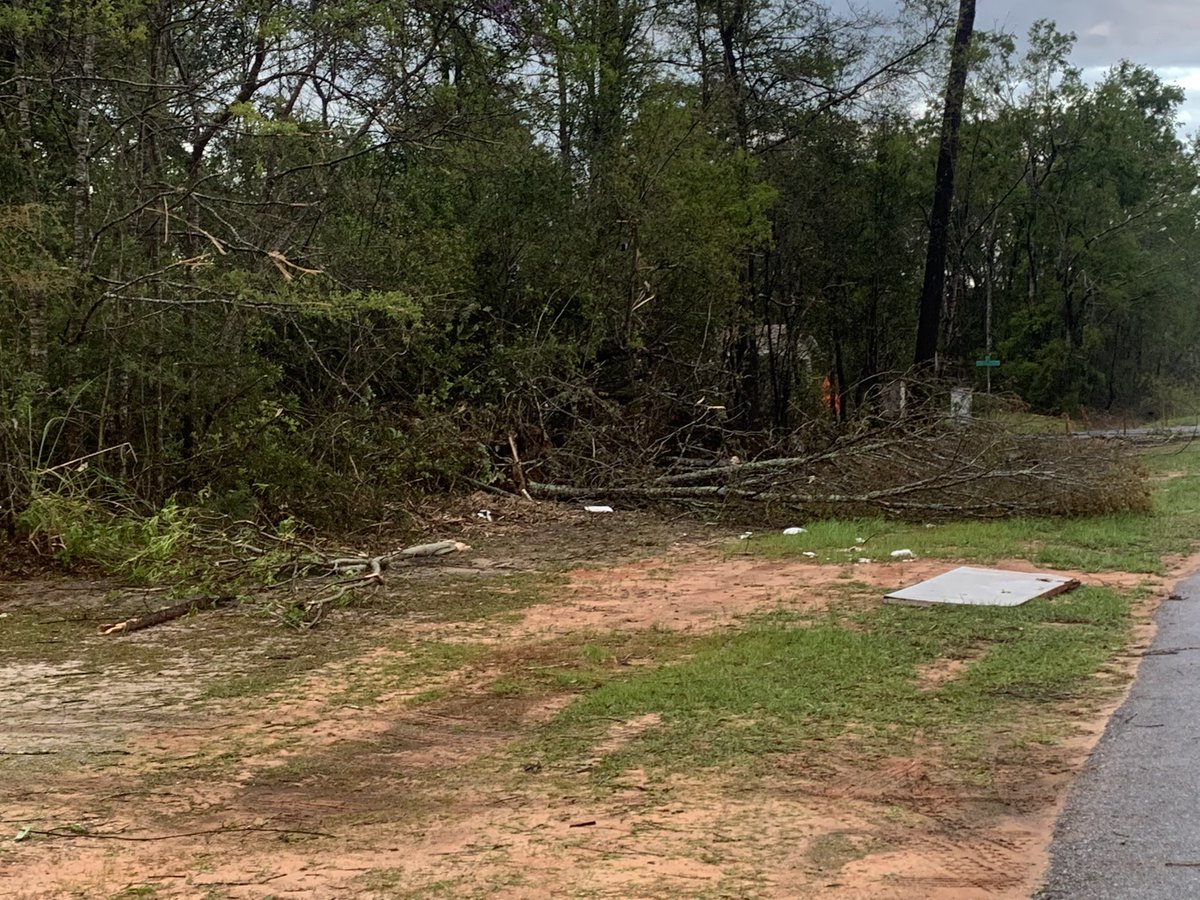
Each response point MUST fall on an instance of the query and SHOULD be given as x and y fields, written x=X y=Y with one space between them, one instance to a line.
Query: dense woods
x=301 y=257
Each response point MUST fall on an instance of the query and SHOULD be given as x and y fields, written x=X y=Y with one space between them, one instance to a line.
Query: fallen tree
x=927 y=469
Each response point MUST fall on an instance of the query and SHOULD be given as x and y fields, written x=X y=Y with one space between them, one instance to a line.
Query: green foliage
x=1088 y=200
x=781 y=688
x=313 y=259
x=79 y=530
x=352 y=462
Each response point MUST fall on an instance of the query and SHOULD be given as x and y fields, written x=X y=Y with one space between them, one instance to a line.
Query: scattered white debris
x=745 y=535
x=860 y=540
x=795 y=531
x=902 y=554
x=863 y=559
x=598 y=509
x=810 y=554
x=485 y=514
x=930 y=525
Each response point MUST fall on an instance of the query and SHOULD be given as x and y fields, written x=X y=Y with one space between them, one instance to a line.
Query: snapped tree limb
x=309 y=606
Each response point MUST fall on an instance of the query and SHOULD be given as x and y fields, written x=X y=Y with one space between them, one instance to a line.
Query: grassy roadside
x=857 y=674
x=433 y=708
x=1114 y=543
x=783 y=686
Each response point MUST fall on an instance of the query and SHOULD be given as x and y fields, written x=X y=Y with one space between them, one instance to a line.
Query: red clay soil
x=131 y=781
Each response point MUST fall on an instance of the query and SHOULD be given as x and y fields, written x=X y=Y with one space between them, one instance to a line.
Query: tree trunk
x=83 y=152
x=730 y=22
x=24 y=113
x=929 y=322
x=564 y=115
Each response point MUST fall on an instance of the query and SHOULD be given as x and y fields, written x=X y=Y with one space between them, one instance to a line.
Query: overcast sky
x=1162 y=34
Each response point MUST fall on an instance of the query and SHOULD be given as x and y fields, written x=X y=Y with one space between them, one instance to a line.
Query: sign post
x=987 y=363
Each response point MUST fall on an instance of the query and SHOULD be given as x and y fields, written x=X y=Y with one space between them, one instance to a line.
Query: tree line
x=303 y=256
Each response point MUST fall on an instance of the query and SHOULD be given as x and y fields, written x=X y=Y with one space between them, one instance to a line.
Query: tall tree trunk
x=564 y=114
x=929 y=322
x=24 y=112
x=730 y=22
x=748 y=400
x=702 y=50
x=612 y=64
x=153 y=223
x=83 y=151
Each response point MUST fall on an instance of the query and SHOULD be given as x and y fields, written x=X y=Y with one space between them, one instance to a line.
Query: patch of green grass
x=397 y=884
x=1182 y=414
x=407 y=664
x=136 y=890
x=430 y=696
x=830 y=852
x=1125 y=542
x=508 y=687
x=470 y=598
x=583 y=662
x=272 y=676
x=1032 y=423
x=775 y=687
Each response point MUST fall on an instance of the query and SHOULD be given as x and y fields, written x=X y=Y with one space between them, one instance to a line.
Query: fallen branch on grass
x=166 y=614
x=308 y=610
x=374 y=566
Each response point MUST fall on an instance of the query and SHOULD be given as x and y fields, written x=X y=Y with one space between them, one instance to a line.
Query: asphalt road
x=1148 y=431
x=1131 y=826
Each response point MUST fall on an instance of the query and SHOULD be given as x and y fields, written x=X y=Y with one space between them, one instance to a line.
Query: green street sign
x=987 y=362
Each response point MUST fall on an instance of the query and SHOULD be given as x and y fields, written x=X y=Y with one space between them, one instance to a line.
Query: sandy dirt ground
x=135 y=779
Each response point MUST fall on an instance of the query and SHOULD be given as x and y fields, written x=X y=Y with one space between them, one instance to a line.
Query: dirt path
x=382 y=756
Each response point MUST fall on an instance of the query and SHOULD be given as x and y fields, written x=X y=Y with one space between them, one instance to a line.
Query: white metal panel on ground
x=969 y=586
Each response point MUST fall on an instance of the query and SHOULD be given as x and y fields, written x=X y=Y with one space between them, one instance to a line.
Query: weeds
x=77 y=530
x=778 y=688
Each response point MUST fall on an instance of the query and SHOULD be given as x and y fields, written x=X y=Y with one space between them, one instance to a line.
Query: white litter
x=902 y=554
x=863 y=559
x=485 y=514
x=969 y=586
x=810 y=554
x=745 y=535
x=860 y=540
x=795 y=531
x=598 y=509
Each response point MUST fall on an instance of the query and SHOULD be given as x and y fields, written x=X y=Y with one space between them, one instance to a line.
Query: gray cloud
x=1155 y=33
x=1161 y=34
